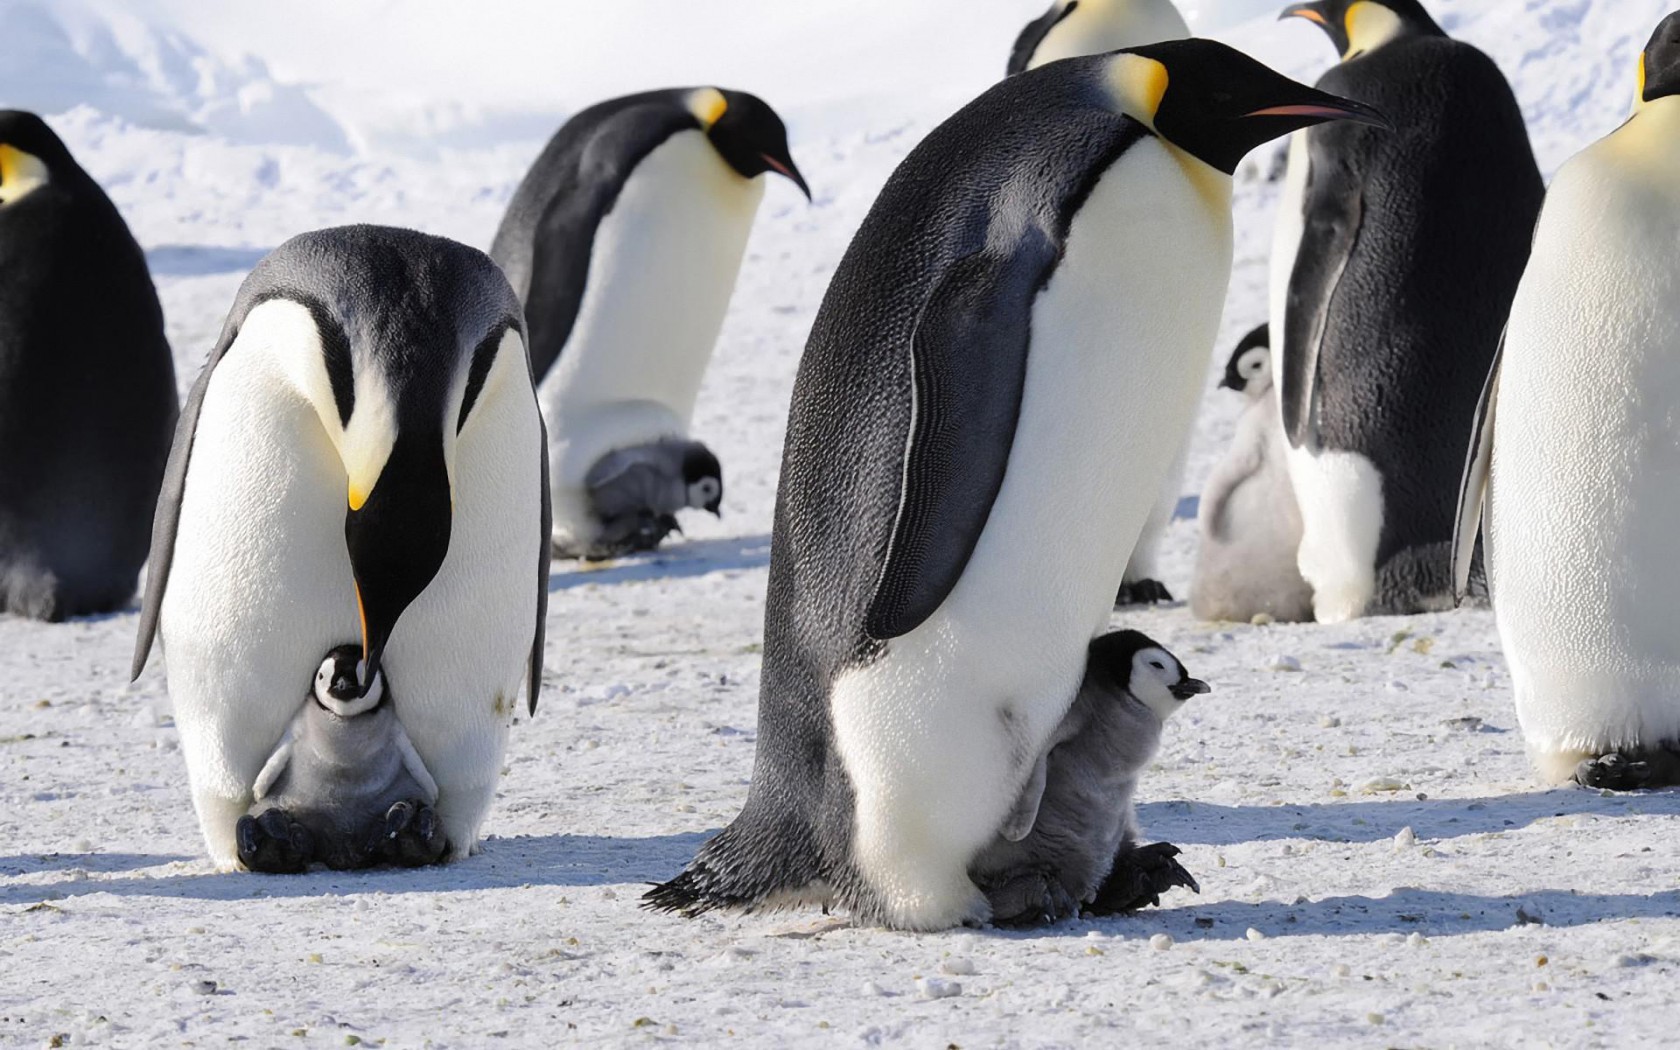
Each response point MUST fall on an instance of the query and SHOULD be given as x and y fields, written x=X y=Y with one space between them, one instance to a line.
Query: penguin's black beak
x=1324 y=108
x=785 y=167
x=398 y=538
x=1189 y=687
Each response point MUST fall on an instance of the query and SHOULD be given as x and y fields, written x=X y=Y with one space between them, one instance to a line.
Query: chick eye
x=1157 y=665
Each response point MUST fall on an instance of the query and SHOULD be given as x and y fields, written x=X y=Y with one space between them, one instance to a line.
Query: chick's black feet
x=1141 y=874
x=410 y=836
x=1143 y=592
x=1029 y=898
x=274 y=843
x=1638 y=770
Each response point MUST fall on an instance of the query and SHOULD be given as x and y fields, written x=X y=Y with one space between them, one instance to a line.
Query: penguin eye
x=1158 y=665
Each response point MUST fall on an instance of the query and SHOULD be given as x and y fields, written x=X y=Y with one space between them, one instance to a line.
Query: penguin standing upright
x=1035 y=288
x=361 y=459
x=1393 y=268
x=623 y=242
x=1576 y=457
x=1072 y=28
x=87 y=387
x=1250 y=526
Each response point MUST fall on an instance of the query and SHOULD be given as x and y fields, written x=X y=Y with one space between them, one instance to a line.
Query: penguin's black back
x=1446 y=207
x=999 y=183
x=87 y=392
x=546 y=237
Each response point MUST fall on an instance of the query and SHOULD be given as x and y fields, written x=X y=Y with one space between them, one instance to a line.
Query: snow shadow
x=504 y=863
x=1371 y=821
x=678 y=561
x=201 y=260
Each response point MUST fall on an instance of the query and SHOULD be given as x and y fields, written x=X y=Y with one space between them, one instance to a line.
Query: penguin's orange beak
x=1308 y=11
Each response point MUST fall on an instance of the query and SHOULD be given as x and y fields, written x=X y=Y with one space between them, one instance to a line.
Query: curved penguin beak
x=785 y=167
x=1190 y=687
x=1310 y=12
x=1327 y=107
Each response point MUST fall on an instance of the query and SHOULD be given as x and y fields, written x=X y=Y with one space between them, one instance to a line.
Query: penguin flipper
x=1034 y=33
x=1472 y=491
x=274 y=767
x=1335 y=208
x=545 y=554
x=969 y=364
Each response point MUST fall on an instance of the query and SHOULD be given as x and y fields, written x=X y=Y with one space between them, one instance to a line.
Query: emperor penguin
x=1036 y=286
x=1072 y=28
x=87 y=386
x=1394 y=262
x=1250 y=525
x=361 y=458
x=623 y=242
x=1574 y=469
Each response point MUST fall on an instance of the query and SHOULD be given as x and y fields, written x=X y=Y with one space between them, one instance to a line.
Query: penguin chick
x=1250 y=523
x=636 y=492
x=345 y=786
x=1071 y=839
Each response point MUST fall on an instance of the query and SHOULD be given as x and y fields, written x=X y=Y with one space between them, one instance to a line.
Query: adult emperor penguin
x=1576 y=457
x=1394 y=264
x=1250 y=526
x=87 y=387
x=362 y=458
x=623 y=242
x=1072 y=28
x=1037 y=286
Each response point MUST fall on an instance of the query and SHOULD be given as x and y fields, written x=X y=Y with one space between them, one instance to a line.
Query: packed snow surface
x=1378 y=866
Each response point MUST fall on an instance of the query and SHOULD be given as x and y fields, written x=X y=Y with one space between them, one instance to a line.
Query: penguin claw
x=1143 y=592
x=1141 y=874
x=1030 y=898
x=409 y=836
x=1642 y=770
x=273 y=843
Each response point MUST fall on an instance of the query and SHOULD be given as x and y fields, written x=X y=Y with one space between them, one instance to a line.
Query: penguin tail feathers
x=740 y=871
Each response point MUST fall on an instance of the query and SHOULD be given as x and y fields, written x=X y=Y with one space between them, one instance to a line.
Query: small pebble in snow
x=872 y=988
x=1329 y=722
x=1542 y=986
x=1161 y=942
x=957 y=966
x=204 y=987
x=1395 y=685
x=1541 y=960
x=1254 y=934
x=1282 y=662
x=934 y=988
x=1417 y=940
x=1635 y=959
x=1374 y=1018
x=1262 y=620
x=1371 y=787
x=1405 y=839
x=1340 y=970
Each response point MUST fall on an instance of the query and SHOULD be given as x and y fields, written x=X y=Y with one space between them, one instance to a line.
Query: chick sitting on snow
x=345 y=786
x=1071 y=840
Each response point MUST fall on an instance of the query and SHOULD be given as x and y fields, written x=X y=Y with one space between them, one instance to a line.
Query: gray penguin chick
x=1071 y=840
x=345 y=786
x=1250 y=522
x=635 y=493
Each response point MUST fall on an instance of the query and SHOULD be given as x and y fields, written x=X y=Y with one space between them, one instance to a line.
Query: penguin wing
x=1472 y=492
x=1033 y=35
x=276 y=765
x=1334 y=208
x=969 y=364
x=416 y=768
x=1241 y=463
x=545 y=552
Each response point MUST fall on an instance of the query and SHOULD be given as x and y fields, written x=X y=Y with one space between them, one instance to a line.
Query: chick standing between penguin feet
x=950 y=520
x=1071 y=842
x=1573 y=477
x=623 y=242
x=345 y=786
x=1393 y=266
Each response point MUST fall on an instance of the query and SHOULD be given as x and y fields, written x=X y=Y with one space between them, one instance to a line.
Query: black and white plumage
x=635 y=493
x=362 y=458
x=87 y=386
x=1072 y=28
x=1037 y=285
x=1071 y=841
x=1393 y=267
x=623 y=242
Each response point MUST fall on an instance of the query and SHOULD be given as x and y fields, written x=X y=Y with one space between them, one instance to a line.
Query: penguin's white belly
x=661 y=271
x=938 y=734
x=1584 y=486
x=1093 y=29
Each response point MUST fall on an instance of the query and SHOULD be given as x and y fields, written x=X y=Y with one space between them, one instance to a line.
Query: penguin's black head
x=1137 y=664
x=703 y=475
x=747 y=133
x=1360 y=26
x=1250 y=361
x=30 y=155
x=1216 y=103
x=1659 y=63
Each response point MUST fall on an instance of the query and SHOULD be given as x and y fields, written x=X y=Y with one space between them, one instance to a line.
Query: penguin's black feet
x=1141 y=874
x=1631 y=771
x=409 y=837
x=1143 y=592
x=1030 y=898
x=274 y=843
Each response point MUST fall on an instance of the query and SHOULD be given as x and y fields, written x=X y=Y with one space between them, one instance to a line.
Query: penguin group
x=348 y=538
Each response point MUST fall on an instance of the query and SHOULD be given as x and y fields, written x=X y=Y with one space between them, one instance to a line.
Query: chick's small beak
x=1190 y=687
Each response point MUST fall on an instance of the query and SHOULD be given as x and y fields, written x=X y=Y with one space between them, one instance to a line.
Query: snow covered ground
x=1377 y=865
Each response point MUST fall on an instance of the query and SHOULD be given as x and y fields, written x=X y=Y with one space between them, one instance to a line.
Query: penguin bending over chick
x=1250 y=525
x=1573 y=478
x=623 y=242
x=1070 y=843
x=1037 y=285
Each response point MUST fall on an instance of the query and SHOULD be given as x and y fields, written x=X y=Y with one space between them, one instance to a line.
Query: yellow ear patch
x=708 y=106
x=1639 y=91
x=20 y=173
x=1138 y=85
x=1370 y=25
